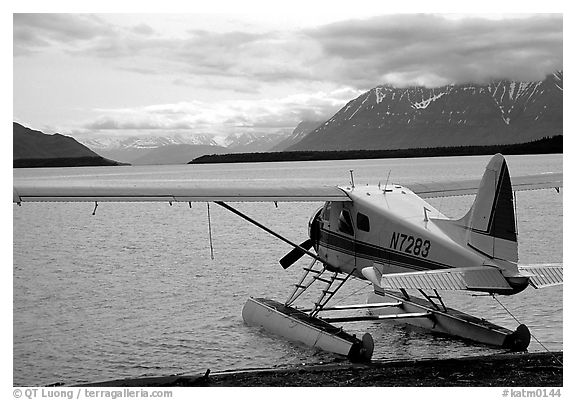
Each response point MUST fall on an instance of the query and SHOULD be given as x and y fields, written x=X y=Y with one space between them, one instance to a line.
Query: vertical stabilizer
x=490 y=223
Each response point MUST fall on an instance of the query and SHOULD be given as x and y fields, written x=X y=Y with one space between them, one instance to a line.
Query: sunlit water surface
x=133 y=291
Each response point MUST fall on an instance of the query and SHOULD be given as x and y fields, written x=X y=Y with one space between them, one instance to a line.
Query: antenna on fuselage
x=386 y=184
x=352 y=178
x=426 y=211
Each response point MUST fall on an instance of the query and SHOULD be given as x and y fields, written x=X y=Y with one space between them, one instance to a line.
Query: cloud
x=262 y=57
x=264 y=115
x=135 y=122
x=283 y=76
x=81 y=35
x=405 y=49
x=143 y=29
x=35 y=31
x=433 y=50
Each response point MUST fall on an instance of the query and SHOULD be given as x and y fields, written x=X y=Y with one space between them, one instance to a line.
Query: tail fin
x=490 y=223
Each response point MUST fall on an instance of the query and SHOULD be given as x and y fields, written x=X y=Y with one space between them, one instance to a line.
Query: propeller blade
x=295 y=254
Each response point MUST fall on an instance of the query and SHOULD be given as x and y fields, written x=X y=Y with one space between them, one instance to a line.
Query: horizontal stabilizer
x=543 y=275
x=473 y=278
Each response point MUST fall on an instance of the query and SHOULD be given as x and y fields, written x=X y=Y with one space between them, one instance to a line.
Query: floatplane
x=387 y=235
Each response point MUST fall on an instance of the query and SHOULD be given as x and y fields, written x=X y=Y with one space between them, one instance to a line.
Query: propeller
x=296 y=254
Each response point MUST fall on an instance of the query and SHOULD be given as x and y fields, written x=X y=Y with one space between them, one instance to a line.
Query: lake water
x=132 y=291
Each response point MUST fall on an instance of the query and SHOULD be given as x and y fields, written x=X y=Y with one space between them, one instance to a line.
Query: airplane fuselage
x=394 y=229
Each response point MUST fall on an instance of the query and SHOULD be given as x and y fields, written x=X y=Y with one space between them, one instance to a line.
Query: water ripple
x=132 y=291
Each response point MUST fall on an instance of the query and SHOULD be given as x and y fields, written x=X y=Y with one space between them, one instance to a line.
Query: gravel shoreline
x=527 y=370
x=501 y=370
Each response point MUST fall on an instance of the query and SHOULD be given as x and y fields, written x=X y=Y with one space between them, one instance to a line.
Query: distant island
x=547 y=145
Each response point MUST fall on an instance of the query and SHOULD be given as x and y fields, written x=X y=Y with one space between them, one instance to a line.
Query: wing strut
x=277 y=235
x=209 y=231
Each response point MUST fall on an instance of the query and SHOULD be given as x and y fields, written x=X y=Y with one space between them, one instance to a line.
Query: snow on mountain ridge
x=234 y=142
x=425 y=103
x=145 y=142
x=510 y=95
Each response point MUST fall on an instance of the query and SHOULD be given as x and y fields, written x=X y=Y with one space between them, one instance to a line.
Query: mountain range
x=140 y=150
x=501 y=112
x=383 y=118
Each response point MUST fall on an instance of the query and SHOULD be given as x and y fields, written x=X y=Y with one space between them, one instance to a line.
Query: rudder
x=491 y=223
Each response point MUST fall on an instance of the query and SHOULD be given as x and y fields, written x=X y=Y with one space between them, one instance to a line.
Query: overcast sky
x=91 y=75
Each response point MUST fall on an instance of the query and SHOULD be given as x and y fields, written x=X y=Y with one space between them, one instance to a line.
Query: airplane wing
x=468 y=187
x=181 y=190
x=62 y=190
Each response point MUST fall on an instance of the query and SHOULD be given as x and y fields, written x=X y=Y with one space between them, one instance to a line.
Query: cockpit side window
x=326 y=211
x=345 y=223
x=363 y=222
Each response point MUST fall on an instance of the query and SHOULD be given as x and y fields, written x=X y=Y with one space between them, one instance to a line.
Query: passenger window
x=363 y=222
x=345 y=223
